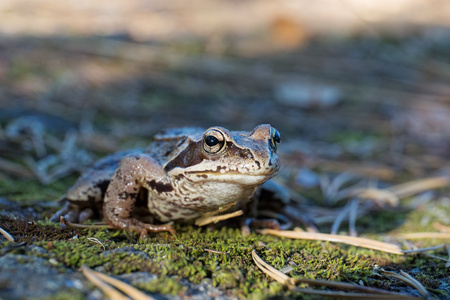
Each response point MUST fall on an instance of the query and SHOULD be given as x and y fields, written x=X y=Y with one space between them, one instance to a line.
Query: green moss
x=230 y=266
x=163 y=285
x=231 y=270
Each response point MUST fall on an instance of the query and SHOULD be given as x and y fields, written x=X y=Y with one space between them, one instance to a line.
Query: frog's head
x=237 y=157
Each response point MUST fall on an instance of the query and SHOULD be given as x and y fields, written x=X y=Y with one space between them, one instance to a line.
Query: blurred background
x=352 y=85
x=358 y=89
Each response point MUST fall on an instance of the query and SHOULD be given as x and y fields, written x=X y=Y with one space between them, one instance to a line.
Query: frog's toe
x=158 y=228
x=155 y=228
x=143 y=234
x=268 y=223
x=55 y=217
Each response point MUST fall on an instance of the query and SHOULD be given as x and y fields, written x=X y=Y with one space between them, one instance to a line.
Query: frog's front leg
x=133 y=173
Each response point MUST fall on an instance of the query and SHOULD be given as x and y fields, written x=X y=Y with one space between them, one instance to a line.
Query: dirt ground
x=354 y=87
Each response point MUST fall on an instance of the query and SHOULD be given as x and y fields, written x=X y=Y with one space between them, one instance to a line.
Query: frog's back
x=92 y=185
x=168 y=143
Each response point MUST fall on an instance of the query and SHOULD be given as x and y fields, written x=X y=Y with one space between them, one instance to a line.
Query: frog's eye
x=275 y=138
x=213 y=141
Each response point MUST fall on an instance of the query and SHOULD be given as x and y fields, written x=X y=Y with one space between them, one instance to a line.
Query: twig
x=348 y=191
x=290 y=283
x=202 y=221
x=409 y=280
x=415 y=283
x=96 y=240
x=447 y=261
x=379 y=195
x=339 y=218
x=353 y=212
x=271 y=271
x=216 y=251
x=12 y=247
x=344 y=295
x=329 y=216
x=6 y=235
x=417 y=186
x=424 y=249
x=102 y=281
x=337 y=183
x=424 y=235
x=107 y=289
x=85 y=226
x=350 y=240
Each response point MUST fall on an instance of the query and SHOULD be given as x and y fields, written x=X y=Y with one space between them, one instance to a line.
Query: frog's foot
x=67 y=212
x=157 y=228
x=72 y=214
x=258 y=223
x=140 y=227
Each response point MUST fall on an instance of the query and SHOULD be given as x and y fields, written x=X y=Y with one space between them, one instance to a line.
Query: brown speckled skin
x=175 y=179
x=132 y=174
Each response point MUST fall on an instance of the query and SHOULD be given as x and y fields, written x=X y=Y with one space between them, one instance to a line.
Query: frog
x=184 y=174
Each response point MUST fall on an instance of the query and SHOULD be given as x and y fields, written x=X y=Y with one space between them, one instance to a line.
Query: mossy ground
x=231 y=269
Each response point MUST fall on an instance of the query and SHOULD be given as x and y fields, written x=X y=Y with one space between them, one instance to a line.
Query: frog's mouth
x=231 y=177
